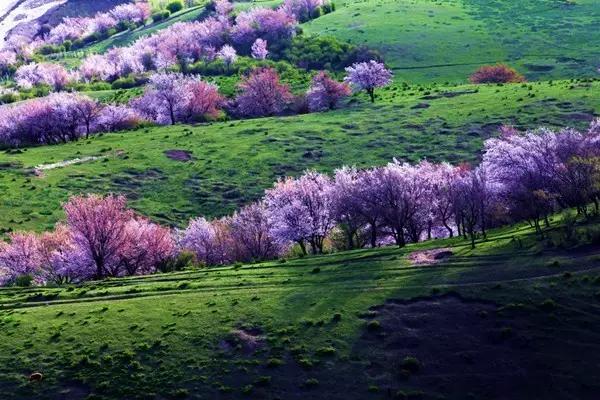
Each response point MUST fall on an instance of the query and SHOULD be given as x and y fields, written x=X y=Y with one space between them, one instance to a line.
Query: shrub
x=499 y=73
x=161 y=15
x=263 y=381
x=548 y=305
x=373 y=326
x=311 y=382
x=174 y=6
x=24 y=280
x=410 y=364
x=128 y=82
x=326 y=351
x=274 y=362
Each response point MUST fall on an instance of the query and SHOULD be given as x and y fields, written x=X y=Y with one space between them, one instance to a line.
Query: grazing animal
x=36 y=377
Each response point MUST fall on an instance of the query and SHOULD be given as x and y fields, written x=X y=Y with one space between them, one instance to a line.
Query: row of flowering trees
x=170 y=98
x=221 y=35
x=522 y=177
x=61 y=117
x=72 y=30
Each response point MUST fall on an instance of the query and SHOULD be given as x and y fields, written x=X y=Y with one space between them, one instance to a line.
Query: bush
x=499 y=73
x=324 y=52
x=174 y=6
x=184 y=260
x=548 y=305
x=161 y=15
x=311 y=382
x=326 y=351
x=8 y=98
x=373 y=326
x=24 y=280
x=128 y=82
x=410 y=364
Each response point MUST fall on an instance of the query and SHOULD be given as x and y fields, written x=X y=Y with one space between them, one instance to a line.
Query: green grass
x=427 y=40
x=164 y=336
x=233 y=162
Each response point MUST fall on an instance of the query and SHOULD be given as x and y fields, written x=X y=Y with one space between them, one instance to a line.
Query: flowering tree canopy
x=259 y=49
x=53 y=75
x=262 y=94
x=368 y=76
x=325 y=93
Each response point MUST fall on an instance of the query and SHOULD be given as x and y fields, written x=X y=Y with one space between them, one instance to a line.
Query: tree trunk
x=450 y=232
x=302 y=246
x=373 y=235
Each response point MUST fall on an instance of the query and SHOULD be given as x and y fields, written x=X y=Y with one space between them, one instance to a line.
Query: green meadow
x=228 y=164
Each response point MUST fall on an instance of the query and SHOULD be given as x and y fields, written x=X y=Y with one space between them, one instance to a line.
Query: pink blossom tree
x=204 y=101
x=368 y=76
x=99 y=228
x=302 y=10
x=259 y=49
x=53 y=75
x=148 y=246
x=223 y=7
x=209 y=241
x=21 y=257
x=401 y=193
x=275 y=26
x=228 y=55
x=301 y=210
x=172 y=97
x=262 y=94
x=114 y=118
x=8 y=58
x=325 y=93
x=165 y=98
x=251 y=230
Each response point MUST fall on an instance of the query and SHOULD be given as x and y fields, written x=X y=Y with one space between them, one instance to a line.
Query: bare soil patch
x=245 y=340
x=179 y=155
x=428 y=257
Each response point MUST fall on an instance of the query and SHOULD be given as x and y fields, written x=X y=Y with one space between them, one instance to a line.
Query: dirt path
x=39 y=169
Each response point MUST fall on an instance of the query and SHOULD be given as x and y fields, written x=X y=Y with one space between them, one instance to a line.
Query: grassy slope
x=426 y=40
x=235 y=161
x=162 y=336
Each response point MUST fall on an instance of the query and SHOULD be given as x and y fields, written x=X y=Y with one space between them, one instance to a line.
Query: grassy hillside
x=427 y=40
x=226 y=164
x=300 y=329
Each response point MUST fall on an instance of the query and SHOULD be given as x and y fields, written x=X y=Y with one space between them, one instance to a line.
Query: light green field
x=427 y=40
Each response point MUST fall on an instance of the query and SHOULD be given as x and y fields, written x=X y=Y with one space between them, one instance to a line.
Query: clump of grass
x=506 y=332
x=263 y=381
x=247 y=390
x=410 y=364
x=180 y=393
x=326 y=351
x=410 y=395
x=274 y=362
x=305 y=363
x=547 y=305
x=311 y=383
x=374 y=326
